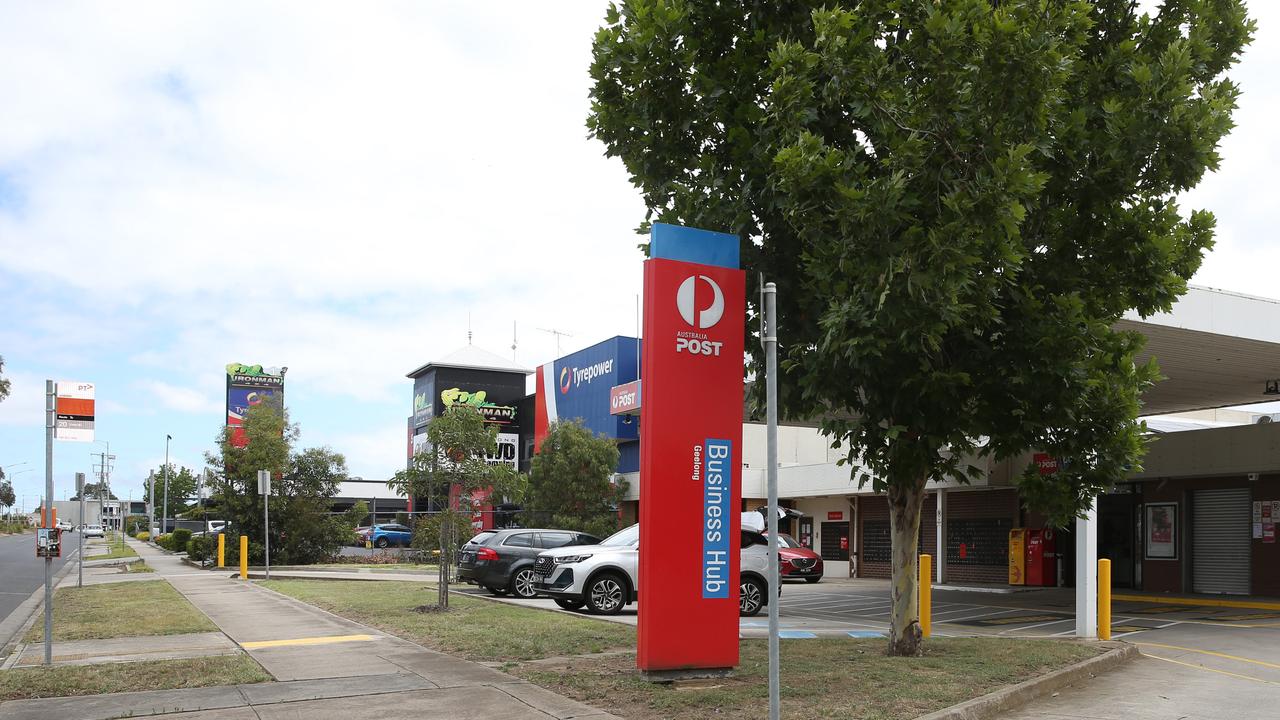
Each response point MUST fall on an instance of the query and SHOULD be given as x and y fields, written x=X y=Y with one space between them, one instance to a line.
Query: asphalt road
x=21 y=572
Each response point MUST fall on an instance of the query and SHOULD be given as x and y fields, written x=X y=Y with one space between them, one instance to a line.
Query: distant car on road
x=390 y=534
x=64 y=526
x=501 y=561
x=93 y=531
x=361 y=536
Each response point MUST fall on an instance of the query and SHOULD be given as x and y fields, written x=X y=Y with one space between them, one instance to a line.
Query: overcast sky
x=338 y=188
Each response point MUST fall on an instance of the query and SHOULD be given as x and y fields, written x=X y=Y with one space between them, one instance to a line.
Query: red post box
x=1042 y=558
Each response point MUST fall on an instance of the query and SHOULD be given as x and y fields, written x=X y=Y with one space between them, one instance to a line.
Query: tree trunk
x=904 y=525
x=444 y=561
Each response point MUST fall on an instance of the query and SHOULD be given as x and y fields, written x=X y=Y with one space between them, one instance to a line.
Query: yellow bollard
x=1104 y=599
x=926 y=598
x=244 y=557
x=222 y=550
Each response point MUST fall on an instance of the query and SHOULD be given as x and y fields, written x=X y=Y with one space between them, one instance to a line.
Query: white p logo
x=685 y=303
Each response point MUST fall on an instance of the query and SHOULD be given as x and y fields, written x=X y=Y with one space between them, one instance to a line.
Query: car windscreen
x=786 y=541
x=623 y=537
x=482 y=538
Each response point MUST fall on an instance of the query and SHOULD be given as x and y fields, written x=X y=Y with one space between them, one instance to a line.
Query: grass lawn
x=388 y=567
x=474 y=629
x=821 y=678
x=121 y=610
x=114 y=551
x=64 y=680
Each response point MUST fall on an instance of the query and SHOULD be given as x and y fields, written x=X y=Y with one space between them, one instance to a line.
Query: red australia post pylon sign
x=690 y=450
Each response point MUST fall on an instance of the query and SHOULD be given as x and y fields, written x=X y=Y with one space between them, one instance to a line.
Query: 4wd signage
x=691 y=455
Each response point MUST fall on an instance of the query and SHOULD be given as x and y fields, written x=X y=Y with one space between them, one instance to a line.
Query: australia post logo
x=697 y=316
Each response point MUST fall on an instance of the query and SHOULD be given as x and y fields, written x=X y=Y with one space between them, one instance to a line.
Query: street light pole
x=165 y=515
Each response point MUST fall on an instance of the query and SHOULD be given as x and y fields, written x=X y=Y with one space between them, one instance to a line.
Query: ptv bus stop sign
x=690 y=450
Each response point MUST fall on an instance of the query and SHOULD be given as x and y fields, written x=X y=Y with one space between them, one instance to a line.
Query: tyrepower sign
x=691 y=455
x=75 y=411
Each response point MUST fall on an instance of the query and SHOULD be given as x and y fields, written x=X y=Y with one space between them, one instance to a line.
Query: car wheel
x=569 y=604
x=381 y=542
x=521 y=584
x=812 y=580
x=606 y=594
x=750 y=596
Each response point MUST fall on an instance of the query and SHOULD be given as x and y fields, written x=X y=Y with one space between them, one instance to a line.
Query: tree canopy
x=182 y=487
x=571 y=481
x=957 y=200
x=303 y=482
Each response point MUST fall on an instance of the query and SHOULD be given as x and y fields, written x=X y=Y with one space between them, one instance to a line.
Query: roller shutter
x=1220 y=541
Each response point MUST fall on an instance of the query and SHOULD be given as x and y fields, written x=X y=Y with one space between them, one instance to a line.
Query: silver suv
x=603 y=577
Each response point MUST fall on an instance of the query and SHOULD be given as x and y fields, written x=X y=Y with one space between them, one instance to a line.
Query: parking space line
x=981 y=615
x=1199 y=602
x=1237 y=658
x=1212 y=670
x=1030 y=627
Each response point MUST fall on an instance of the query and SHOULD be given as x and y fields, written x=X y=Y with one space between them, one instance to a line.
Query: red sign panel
x=835 y=514
x=690 y=465
x=1047 y=464
x=625 y=399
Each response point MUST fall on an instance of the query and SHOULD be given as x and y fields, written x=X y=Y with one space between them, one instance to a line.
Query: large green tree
x=4 y=382
x=571 y=481
x=303 y=482
x=182 y=488
x=957 y=200
x=455 y=471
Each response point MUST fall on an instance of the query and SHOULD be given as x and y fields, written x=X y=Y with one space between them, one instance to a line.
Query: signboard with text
x=74 y=406
x=690 y=451
x=249 y=386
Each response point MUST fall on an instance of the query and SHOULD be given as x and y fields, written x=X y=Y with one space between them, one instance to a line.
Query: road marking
x=1207 y=669
x=1251 y=604
x=304 y=641
x=1210 y=652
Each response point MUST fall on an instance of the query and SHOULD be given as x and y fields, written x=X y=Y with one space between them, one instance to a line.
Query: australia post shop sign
x=690 y=450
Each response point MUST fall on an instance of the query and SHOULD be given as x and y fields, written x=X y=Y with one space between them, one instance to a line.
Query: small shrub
x=144 y=536
x=202 y=547
x=165 y=540
x=180 y=538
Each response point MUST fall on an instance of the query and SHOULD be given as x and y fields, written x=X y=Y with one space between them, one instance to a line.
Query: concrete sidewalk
x=328 y=667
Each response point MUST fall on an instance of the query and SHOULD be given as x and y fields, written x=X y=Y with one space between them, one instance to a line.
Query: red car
x=796 y=561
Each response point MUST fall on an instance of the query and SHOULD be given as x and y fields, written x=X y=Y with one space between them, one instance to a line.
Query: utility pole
x=50 y=420
x=80 y=540
x=165 y=515
x=151 y=503
x=264 y=487
x=769 y=338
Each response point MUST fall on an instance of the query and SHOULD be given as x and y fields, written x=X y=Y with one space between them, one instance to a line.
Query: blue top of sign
x=686 y=244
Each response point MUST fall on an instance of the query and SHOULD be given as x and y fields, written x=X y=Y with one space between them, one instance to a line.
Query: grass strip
x=114 y=551
x=821 y=678
x=121 y=610
x=474 y=629
x=67 y=680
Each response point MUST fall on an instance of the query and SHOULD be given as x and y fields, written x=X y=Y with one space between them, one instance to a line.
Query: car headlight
x=570 y=559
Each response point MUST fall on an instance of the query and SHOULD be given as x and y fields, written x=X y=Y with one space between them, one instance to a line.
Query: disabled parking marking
x=796 y=634
x=864 y=634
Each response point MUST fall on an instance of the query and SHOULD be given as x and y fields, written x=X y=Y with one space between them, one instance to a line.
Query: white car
x=93 y=531
x=64 y=526
x=604 y=577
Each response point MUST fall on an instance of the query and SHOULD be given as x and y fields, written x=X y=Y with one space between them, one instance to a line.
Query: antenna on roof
x=558 y=335
x=468 y=327
x=513 y=341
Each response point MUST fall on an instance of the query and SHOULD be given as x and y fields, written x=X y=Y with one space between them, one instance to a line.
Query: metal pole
x=49 y=422
x=80 y=540
x=264 y=487
x=164 y=517
x=770 y=340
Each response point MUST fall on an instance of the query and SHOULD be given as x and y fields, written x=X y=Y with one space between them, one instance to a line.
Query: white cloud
x=173 y=397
